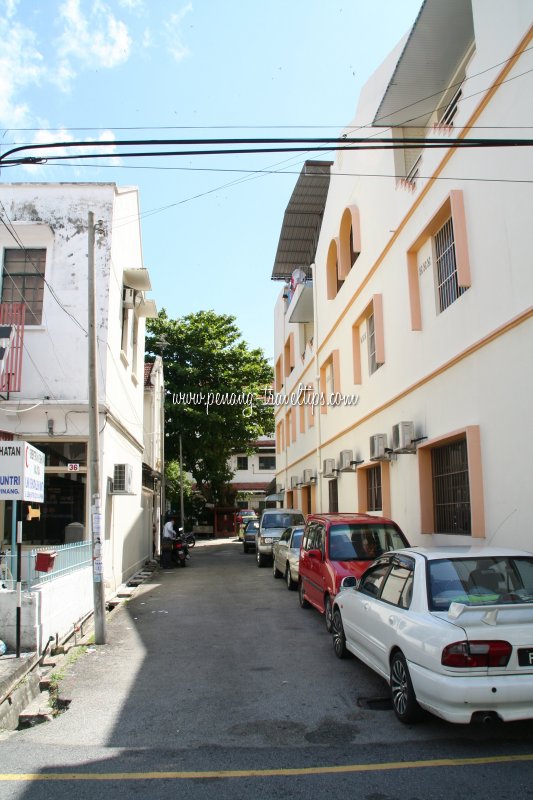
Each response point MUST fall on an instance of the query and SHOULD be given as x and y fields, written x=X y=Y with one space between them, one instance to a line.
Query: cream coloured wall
x=466 y=366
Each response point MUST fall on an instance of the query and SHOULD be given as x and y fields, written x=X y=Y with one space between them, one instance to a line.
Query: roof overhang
x=439 y=39
x=138 y=279
x=302 y=221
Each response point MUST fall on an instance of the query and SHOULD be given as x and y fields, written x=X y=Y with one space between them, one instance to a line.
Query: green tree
x=215 y=386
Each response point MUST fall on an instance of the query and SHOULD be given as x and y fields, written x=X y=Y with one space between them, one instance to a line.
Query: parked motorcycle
x=189 y=538
x=180 y=551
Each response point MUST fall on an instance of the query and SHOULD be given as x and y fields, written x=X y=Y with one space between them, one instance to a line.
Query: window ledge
x=124 y=358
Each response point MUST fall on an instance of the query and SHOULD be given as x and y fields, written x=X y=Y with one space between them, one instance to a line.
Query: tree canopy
x=215 y=385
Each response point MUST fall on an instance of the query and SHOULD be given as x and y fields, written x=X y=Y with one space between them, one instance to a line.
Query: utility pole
x=181 y=489
x=94 y=451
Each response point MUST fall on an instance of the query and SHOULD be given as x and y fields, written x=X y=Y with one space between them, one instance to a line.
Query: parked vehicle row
x=449 y=629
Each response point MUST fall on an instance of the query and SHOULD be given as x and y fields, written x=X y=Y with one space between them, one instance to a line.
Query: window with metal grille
x=242 y=462
x=23 y=281
x=333 y=496
x=371 y=337
x=451 y=488
x=446 y=266
x=450 y=111
x=267 y=462
x=373 y=489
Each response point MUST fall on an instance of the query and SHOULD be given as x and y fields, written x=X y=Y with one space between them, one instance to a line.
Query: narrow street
x=216 y=683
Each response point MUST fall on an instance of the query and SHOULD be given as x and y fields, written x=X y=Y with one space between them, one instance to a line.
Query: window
x=333 y=279
x=330 y=379
x=372 y=321
x=333 y=495
x=451 y=490
x=349 y=240
x=371 y=337
x=448 y=234
x=446 y=267
x=398 y=586
x=289 y=355
x=23 y=281
x=242 y=462
x=267 y=462
x=373 y=580
x=451 y=484
x=373 y=488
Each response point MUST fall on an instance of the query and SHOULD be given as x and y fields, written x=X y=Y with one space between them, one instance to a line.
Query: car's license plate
x=268 y=540
x=525 y=657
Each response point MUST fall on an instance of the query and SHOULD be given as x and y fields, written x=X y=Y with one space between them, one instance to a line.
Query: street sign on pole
x=21 y=472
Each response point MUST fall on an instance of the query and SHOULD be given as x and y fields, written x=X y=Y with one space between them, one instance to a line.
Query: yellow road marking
x=260 y=773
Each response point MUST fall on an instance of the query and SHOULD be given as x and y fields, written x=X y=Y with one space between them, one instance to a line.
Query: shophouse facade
x=44 y=256
x=407 y=342
x=253 y=473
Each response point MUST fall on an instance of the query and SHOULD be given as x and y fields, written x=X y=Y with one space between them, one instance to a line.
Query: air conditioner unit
x=122 y=479
x=403 y=435
x=128 y=298
x=378 y=446
x=345 y=461
x=279 y=488
x=295 y=481
x=328 y=470
x=309 y=476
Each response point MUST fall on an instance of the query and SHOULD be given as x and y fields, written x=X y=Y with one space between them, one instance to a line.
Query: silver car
x=286 y=555
x=273 y=522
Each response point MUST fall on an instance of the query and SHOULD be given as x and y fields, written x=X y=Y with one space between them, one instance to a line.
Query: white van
x=273 y=522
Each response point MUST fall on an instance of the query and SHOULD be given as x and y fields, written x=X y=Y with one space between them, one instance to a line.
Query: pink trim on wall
x=331 y=269
x=414 y=291
x=460 y=238
x=379 y=335
x=356 y=348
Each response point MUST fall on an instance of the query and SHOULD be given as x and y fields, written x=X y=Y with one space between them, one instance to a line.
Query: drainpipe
x=317 y=389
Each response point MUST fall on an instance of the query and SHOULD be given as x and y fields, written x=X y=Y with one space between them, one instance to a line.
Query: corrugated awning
x=302 y=221
x=438 y=42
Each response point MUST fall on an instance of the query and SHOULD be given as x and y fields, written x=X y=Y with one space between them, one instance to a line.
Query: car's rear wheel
x=339 y=639
x=260 y=558
x=301 y=596
x=288 y=579
x=275 y=571
x=245 y=548
x=328 y=613
x=404 y=700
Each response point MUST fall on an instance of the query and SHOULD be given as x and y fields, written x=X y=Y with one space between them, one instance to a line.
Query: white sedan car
x=286 y=555
x=450 y=630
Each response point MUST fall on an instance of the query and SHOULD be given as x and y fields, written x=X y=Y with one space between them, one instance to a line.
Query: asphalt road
x=215 y=683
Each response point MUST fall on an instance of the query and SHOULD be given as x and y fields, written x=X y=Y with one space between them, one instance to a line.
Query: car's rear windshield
x=479 y=581
x=282 y=520
x=363 y=542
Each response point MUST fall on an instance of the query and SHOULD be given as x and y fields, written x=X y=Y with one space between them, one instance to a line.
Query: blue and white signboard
x=21 y=472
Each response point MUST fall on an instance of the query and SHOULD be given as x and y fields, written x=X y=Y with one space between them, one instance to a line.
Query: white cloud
x=21 y=65
x=94 y=39
x=131 y=4
x=176 y=47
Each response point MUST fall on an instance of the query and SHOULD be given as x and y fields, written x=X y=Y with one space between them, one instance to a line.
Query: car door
x=310 y=565
x=385 y=593
x=281 y=550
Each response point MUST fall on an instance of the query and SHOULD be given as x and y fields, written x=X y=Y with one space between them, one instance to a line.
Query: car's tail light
x=481 y=653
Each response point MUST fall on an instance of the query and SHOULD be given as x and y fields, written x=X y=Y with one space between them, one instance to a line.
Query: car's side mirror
x=316 y=554
x=349 y=582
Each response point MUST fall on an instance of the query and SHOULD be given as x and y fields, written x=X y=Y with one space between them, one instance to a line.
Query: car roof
x=282 y=511
x=461 y=551
x=347 y=517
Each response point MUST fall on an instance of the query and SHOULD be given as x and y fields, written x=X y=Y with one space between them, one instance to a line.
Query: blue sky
x=200 y=69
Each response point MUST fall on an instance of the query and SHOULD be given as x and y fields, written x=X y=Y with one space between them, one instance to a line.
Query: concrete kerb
x=19 y=686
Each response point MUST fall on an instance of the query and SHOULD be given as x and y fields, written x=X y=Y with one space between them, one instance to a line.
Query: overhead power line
x=257 y=146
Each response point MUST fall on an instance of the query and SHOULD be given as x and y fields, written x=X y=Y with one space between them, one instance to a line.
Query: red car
x=337 y=545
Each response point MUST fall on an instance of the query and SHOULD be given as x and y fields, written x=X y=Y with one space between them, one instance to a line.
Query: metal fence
x=68 y=558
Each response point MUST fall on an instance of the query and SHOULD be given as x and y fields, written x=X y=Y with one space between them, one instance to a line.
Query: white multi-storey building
x=410 y=315
x=44 y=260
